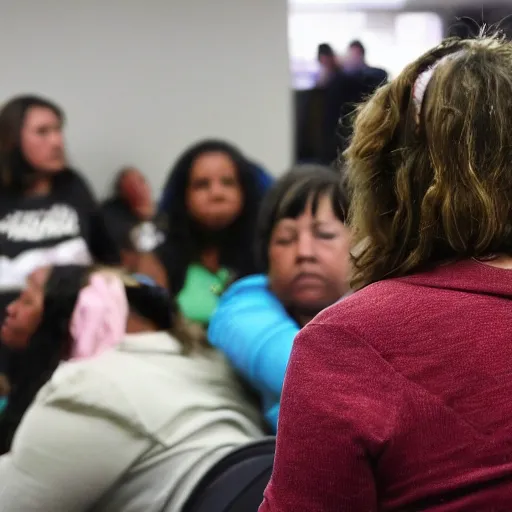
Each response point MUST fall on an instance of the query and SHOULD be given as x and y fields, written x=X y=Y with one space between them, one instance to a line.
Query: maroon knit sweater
x=399 y=398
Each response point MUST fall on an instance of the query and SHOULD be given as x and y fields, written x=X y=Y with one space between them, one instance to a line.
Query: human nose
x=11 y=308
x=57 y=138
x=305 y=247
x=217 y=190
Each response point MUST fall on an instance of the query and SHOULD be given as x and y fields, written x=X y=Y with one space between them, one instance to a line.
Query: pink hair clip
x=421 y=83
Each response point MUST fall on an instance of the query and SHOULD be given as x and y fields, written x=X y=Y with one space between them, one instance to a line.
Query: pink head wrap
x=99 y=318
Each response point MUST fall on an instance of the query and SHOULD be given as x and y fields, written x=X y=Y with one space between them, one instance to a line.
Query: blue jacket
x=256 y=334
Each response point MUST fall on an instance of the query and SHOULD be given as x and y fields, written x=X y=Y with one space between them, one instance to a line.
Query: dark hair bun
x=153 y=303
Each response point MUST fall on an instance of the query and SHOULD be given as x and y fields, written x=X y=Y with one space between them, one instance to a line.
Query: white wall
x=142 y=79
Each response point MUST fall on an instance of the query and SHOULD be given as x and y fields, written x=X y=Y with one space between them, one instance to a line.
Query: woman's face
x=214 y=196
x=134 y=188
x=42 y=142
x=25 y=313
x=309 y=260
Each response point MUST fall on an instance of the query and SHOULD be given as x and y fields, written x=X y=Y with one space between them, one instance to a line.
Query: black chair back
x=236 y=483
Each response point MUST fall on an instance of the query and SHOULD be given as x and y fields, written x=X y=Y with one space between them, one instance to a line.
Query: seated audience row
x=83 y=318
x=48 y=216
x=206 y=218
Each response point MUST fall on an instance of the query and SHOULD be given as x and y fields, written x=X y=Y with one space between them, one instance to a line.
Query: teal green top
x=200 y=294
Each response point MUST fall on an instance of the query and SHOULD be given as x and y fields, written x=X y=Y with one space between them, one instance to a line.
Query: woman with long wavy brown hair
x=400 y=396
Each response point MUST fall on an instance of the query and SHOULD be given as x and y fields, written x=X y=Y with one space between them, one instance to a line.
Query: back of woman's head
x=102 y=297
x=430 y=162
x=15 y=170
x=67 y=287
x=61 y=289
x=289 y=198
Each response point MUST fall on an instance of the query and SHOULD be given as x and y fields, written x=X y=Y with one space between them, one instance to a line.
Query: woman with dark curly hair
x=400 y=396
x=212 y=200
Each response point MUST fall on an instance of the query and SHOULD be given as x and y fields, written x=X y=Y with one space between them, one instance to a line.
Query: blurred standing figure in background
x=329 y=65
x=355 y=62
x=351 y=85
